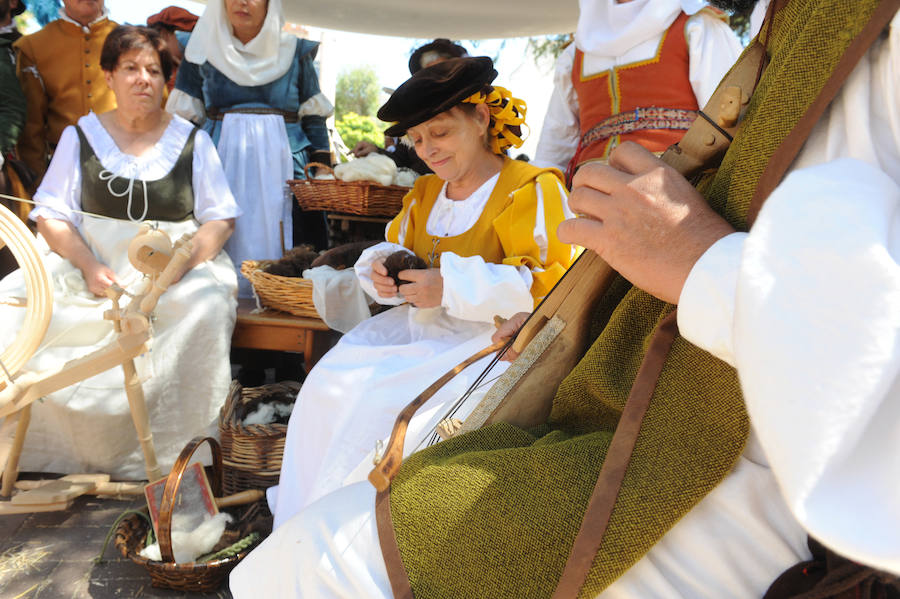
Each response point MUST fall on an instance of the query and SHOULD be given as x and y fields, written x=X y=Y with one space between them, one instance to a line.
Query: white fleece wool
x=188 y=546
x=266 y=413
x=374 y=167
x=405 y=177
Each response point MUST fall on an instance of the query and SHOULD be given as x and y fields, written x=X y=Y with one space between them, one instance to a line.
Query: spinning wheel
x=38 y=303
x=152 y=253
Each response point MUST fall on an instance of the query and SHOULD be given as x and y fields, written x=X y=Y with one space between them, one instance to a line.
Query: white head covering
x=607 y=28
x=262 y=60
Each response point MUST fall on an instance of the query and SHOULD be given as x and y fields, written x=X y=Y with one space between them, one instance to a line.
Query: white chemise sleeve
x=561 y=130
x=363 y=268
x=713 y=48
x=810 y=317
x=478 y=290
x=186 y=106
x=318 y=105
x=213 y=199
x=60 y=190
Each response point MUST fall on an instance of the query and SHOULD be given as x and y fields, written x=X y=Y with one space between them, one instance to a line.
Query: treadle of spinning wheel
x=9 y=508
x=61 y=490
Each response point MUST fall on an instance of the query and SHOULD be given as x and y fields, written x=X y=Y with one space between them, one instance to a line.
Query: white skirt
x=352 y=397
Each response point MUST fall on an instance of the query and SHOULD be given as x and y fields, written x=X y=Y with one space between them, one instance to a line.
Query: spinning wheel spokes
x=39 y=297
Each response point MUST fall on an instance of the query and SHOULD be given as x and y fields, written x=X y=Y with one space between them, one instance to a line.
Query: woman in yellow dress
x=485 y=225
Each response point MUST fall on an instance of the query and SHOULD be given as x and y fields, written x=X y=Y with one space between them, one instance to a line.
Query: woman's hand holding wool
x=383 y=283
x=425 y=288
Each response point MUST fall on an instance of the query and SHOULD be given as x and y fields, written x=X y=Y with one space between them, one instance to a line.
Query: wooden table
x=281 y=331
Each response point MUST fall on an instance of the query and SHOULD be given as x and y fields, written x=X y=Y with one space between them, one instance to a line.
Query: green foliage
x=355 y=128
x=550 y=46
x=357 y=91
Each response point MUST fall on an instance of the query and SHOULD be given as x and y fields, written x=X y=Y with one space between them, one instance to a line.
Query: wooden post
x=11 y=471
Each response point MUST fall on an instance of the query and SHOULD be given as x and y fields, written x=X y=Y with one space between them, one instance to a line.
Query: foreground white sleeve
x=478 y=290
x=713 y=48
x=363 y=268
x=816 y=342
x=213 y=199
x=60 y=190
x=561 y=130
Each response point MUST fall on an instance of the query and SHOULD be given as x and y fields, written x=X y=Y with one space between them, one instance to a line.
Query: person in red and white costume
x=638 y=70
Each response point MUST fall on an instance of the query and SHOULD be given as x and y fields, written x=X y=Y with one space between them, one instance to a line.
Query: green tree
x=357 y=91
x=550 y=46
x=355 y=128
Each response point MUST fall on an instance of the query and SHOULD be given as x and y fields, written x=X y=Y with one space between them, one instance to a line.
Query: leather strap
x=393 y=563
x=787 y=151
x=612 y=473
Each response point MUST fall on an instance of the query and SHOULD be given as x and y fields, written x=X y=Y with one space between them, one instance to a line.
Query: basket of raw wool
x=175 y=562
x=252 y=429
x=363 y=197
x=279 y=285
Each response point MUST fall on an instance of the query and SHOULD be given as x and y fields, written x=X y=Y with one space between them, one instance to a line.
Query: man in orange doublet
x=59 y=69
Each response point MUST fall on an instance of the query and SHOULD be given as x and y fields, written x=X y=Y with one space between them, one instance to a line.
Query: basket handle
x=234 y=394
x=167 y=505
x=318 y=165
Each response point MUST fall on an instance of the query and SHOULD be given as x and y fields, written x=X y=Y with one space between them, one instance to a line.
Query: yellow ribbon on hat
x=506 y=112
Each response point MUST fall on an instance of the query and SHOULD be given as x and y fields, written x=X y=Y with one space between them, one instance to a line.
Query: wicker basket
x=288 y=294
x=364 y=198
x=251 y=454
x=193 y=576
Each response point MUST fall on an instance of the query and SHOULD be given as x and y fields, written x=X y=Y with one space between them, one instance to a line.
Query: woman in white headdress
x=254 y=89
x=638 y=70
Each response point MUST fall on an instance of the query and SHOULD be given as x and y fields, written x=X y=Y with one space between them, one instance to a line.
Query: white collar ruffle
x=607 y=28
x=154 y=164
x=63 y=15
x=262 y=60
x=449 y=218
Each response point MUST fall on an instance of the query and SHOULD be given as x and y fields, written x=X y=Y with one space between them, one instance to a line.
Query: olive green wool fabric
x=494 y=513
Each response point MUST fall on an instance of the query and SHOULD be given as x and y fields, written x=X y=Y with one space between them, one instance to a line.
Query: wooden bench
x=281 y=331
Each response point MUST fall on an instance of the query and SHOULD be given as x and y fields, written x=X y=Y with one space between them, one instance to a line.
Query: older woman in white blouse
x=111 y=173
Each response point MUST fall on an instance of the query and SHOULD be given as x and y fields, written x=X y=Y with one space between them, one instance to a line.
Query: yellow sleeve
x=539 y=201
x=413 y=214
x=401 y=230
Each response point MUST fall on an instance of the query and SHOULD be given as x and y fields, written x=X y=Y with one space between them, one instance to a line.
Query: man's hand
x=642 y=218
x=425 y=288
x=363 y=148
x=507 y=330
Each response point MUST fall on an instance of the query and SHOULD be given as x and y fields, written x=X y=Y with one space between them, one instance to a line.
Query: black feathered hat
x=442 y=46
x=435 y=89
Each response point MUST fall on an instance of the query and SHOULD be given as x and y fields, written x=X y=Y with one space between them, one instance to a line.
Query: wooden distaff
x=555 y=336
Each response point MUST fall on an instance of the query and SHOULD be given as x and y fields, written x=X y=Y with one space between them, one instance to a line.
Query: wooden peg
x=730 y=107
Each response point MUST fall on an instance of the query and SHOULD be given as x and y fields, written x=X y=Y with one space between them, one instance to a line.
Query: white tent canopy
x=455 y=19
